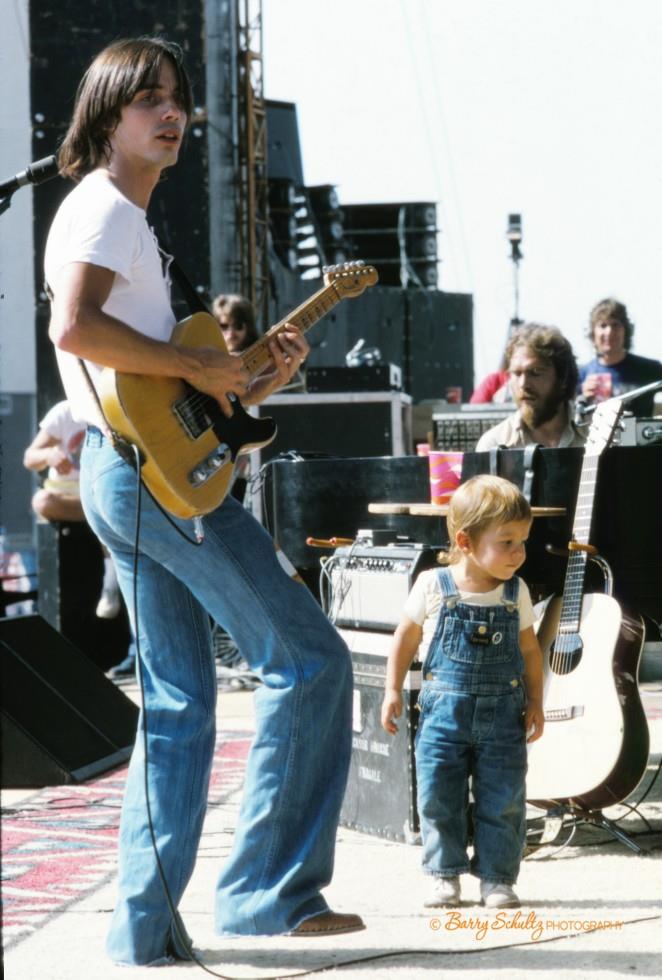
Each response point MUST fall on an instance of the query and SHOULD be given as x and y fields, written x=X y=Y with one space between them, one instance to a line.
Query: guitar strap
x=121 y=445
x=191 y=295
x=528 y=464
x=529 y=471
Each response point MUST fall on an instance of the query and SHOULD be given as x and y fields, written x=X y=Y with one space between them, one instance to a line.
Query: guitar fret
x=573 y=588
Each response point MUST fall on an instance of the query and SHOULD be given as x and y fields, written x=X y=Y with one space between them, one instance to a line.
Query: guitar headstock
x=604 y=429
x=350 y=278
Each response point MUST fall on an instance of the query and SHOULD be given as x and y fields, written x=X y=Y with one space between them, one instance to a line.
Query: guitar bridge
x=564 y=714
x=211 y=464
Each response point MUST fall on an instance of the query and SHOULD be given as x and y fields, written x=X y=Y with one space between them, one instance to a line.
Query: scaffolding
x=252 y=197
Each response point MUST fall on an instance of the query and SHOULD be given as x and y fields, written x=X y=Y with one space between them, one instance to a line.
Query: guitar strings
x=573 y=588
x=564 y=647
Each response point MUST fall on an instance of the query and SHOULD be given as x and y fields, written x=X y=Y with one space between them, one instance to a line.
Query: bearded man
x=543 y=379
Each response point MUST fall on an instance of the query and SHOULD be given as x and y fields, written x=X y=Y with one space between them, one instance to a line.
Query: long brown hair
x=549 y=344
x=111 y=82
x=611 y=309
x=240 y=310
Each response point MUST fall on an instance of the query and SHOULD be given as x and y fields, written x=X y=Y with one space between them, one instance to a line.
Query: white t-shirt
x=95 y=223
x=58 y=423
x=424 y=602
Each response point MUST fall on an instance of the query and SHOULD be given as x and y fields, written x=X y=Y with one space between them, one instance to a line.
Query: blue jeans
x=481 y=735
x=297 y=768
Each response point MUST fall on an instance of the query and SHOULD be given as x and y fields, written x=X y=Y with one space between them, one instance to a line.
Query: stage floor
x=596 y=895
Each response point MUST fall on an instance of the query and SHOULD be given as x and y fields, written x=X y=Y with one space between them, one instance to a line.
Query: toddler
x=481 y=693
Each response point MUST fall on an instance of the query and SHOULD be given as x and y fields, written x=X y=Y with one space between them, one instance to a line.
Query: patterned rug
x=59 y=845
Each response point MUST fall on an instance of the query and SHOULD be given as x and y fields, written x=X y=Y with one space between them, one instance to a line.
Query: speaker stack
x=63 y=721
x=329 y=221
x=283 y=221
x=400 y=240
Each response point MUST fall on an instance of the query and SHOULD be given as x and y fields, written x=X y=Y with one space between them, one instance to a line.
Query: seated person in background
x=57 y=446
x=237 y=320
x=494 y=387
x=614 y=370
x=543 y=378
x=236 y=317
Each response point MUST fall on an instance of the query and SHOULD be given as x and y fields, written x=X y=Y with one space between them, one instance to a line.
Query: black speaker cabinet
x=62 y=720
x=627 y=519
x=70 y=563
x=381 y=789
x=284 y=154
x=323 y=498
x=440 y=344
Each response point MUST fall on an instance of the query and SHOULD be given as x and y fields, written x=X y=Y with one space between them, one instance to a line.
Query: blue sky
x=549 y=109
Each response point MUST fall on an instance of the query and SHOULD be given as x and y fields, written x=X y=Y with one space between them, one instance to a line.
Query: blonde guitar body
x=153 y=414
x=188 y=447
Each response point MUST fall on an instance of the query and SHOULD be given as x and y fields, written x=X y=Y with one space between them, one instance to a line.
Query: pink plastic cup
x=445 y=475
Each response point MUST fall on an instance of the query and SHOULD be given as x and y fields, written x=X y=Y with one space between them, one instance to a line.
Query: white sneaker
x=108 y=605
x=445 y=892
x=498 y=895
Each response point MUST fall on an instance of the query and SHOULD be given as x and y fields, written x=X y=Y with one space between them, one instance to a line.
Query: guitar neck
x=573 y=589
x=606 y=417
x=258 y=356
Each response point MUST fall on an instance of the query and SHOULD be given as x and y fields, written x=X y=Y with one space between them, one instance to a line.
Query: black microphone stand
x=4 y=203
x=37 y=173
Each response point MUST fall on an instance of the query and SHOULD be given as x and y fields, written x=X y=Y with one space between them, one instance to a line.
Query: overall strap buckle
x=449 y=592
x=511 y=594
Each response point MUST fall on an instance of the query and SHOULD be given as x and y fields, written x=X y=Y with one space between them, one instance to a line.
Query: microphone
x=36 y=173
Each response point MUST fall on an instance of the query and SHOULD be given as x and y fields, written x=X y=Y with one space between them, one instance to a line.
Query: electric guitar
x=594 y=750
x=189 y=447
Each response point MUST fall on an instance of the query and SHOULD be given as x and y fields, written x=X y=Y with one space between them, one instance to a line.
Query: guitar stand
x=595 y=817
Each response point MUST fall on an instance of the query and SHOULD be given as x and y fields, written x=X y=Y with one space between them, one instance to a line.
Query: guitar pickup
x=564 y=714
x=210 y=465
x=191 y=413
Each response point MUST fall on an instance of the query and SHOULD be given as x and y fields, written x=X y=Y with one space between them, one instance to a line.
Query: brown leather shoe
x=329 y=924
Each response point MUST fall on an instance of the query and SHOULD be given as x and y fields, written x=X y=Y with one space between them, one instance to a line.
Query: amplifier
x=365 y=586
x=375 y=377
x=381 y=788
x=461 y=430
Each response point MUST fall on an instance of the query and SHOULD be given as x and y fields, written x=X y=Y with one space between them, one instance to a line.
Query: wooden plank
x=440 y=510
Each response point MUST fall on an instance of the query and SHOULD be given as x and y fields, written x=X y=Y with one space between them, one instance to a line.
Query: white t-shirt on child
x=424 y=602
x=95 y=223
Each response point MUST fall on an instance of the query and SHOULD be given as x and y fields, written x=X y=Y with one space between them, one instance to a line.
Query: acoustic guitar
x=189 y=447
x=594 y=750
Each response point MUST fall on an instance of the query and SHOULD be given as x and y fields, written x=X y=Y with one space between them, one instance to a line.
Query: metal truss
x=252 y=199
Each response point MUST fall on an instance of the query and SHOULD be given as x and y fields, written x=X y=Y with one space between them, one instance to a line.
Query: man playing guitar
x=111 y=308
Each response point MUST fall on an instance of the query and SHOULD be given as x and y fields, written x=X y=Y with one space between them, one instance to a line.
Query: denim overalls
x=472 y=723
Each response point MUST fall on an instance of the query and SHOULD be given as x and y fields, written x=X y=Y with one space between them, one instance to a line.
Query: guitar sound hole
x=566 y=653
